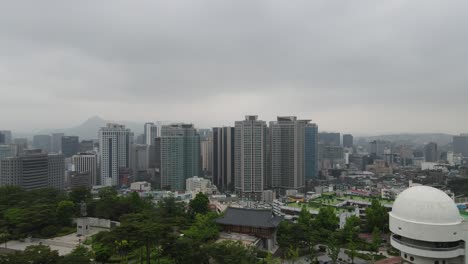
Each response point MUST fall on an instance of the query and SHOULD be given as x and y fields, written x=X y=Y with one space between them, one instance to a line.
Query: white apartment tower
x=86 y=163
x=150 y=133
x=250 y=157
x=115 y=146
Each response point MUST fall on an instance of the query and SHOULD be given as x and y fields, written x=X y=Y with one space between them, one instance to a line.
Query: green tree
x=272 y=260
x=376 y=239
x=79 y=194
x=377 y=216
x=230 y=252
x=80 y=255
x=292 y=254
x=199 y=205
x=102 y=252
x=351 y=252
x=65 y=211
x=351 y=229
x=40 y=255
x=333 y=249
x=204 y=229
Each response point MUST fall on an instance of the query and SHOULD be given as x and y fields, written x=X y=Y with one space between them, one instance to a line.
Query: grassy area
x=312 y=206
x=334 y=200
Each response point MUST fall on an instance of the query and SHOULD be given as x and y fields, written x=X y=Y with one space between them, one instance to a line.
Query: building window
x=411 y=258
x=436 y=262
x=406 y=256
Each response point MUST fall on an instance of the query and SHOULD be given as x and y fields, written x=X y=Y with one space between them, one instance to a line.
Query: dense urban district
x=281 y=192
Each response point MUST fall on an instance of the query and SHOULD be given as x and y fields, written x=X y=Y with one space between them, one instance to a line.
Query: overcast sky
x=351 y=66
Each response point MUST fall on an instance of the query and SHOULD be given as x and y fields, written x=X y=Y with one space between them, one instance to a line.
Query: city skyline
x=385 y=63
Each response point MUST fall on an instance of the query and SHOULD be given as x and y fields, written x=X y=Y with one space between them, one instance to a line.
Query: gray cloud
x=359 y=66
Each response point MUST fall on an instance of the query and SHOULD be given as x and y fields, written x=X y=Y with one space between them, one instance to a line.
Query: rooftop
x=262 y=218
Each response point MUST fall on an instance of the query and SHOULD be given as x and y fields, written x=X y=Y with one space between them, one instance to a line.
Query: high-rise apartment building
x=70 y=145
x=180 y=155
x=5 y=137
x=150 y=133
x=348 y=141
x=460 y=144
x=311 y=151
x=223 y=158
x=42 y=142
x=250 y=157
x=56 y=142
x=431 y=152
x=115 y=147
x=327 y=138
x=86 y=163
x=287 y=148
x=206 y=147
x=33 y=170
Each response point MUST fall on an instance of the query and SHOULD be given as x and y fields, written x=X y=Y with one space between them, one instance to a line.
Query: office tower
x=70 y=146
x=311 y=151
x=223 y=158
x=332 y=139
x=287 y=148
x=56 y=169
x=86 y=163
x=140 y=157
x=56 y=142
x=378 y=148
x=460 y=144
x=348 y=141
x=7 y=151
x=115 y=146
x=86 y=146
x=430 y=152
x=154 y=154
x=33 y=170
x=79 y=179
x=42 y=142
x=5 y=137
x=250 y=157
x=180 y=155
x=22 y=144
x=206 y=147
x=150 y=133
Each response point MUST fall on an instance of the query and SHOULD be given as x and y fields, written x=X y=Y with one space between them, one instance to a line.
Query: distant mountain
x=90 y=128
x=412 y=139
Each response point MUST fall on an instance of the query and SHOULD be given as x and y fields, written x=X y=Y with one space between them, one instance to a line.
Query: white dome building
x=427 y=227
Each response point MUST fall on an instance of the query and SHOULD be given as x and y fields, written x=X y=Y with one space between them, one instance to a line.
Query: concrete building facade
x=180 y=155
x=86 y=163
x=115 y=143
x=250 y=157
x=223 y=158
x=287 y=149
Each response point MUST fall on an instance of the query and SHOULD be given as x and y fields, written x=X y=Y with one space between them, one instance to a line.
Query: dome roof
x=424 y=204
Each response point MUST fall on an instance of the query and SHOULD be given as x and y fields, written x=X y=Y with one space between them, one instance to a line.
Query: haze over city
x=365 y=67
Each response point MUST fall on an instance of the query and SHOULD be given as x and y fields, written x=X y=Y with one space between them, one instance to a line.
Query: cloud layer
x=353 y=66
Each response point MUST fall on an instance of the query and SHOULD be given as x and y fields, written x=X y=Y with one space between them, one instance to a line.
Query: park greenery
x=320 y=233
x=169 y=232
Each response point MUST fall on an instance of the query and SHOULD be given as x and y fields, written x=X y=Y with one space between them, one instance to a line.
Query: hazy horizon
x=362 y=67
